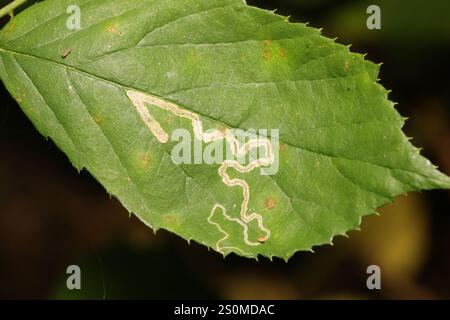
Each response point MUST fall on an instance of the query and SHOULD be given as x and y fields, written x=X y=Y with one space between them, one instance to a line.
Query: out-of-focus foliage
x=405 y=24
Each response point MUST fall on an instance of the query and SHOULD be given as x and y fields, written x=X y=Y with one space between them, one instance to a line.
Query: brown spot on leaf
x=283 y=147
x=270 y=203
x=113 y=29
x=346 y=65
x=145 y=160
x=267 y=55
x=282 y=53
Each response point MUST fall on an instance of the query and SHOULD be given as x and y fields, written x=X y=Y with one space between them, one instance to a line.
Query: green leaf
x=111 y=93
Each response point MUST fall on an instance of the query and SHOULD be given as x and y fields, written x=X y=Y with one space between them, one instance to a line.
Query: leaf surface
x=136 y=70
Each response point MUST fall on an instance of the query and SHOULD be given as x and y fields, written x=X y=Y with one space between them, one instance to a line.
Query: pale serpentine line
x=224 y=212
x=139 y=100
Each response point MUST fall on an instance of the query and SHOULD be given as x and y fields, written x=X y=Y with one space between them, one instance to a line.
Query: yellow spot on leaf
x=170 y=218
x=267 y=55
x=282 y=53
x=10 y=28
x=222 y=129
x=97 y=119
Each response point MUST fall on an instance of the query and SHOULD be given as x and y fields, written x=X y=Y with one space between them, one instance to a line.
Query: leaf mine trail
x=140 y=99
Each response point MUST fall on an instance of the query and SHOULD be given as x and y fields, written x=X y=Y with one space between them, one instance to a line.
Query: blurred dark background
x=52 y=217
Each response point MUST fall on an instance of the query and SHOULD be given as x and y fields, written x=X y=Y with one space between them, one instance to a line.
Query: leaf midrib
x=123 y=86
x=64 y=66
